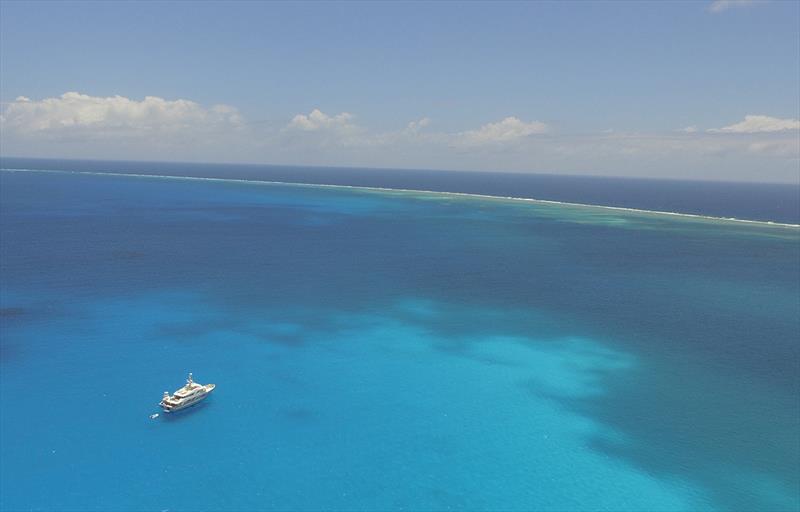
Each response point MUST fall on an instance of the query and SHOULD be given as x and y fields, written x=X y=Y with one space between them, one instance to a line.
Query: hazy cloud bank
x=92 y=116
x=759 y=146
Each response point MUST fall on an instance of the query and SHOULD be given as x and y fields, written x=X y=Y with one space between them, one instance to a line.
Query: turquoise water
x=389 y=350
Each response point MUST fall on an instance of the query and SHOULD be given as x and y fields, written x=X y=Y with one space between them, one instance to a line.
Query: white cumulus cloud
x=416 y=126
x=85 y=115
x=723 y=5
x=759 y=124
x=318 y=120
x=507 y=130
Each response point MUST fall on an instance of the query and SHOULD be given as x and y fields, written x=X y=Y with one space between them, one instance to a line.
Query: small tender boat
x=186 y=396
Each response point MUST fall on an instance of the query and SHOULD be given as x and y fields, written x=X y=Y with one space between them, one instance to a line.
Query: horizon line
x=401 y=169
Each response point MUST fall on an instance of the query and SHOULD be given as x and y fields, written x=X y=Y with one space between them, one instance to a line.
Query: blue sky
x=657 y=89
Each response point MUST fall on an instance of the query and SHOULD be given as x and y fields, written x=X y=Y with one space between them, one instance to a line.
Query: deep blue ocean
x=390 y=350
x=776 y=202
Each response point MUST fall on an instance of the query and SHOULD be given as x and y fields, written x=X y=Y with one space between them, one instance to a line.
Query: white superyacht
x=186 y=396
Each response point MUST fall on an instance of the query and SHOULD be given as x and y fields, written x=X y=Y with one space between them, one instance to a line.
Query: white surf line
x=410 y=190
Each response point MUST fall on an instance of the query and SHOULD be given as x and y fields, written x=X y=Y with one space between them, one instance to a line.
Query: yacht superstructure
x=186 y=396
